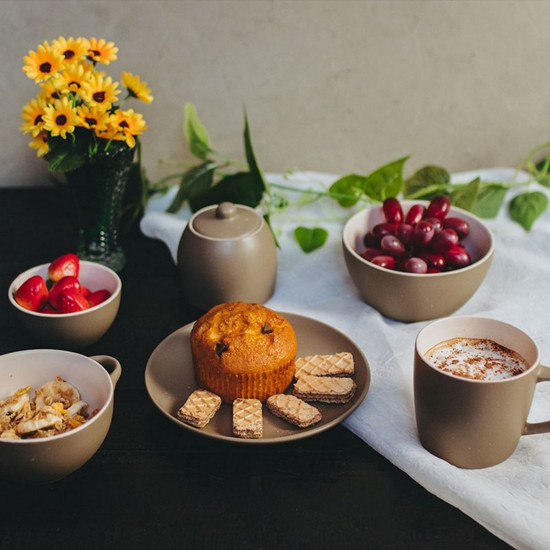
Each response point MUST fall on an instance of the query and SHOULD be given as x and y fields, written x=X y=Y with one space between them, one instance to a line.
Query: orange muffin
x=243 y=350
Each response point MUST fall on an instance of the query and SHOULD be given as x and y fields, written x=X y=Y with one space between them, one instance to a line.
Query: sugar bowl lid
x=226 y=221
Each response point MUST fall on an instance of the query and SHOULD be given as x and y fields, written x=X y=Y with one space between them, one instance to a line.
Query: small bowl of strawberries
x=67 y=303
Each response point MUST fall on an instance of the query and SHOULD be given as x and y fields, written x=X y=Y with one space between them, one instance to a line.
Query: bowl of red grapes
x=417 y=260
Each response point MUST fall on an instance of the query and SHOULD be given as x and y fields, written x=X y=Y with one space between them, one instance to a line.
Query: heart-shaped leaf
x=310 y=239
x=527 y=207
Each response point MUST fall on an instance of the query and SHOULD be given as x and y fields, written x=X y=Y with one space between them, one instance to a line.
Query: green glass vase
x=98 y=188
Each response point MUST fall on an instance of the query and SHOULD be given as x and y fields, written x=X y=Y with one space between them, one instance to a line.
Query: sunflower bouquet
x=77 y=115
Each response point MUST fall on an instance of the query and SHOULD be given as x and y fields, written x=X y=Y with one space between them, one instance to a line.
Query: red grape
x=384 y=261
x=405 y=233
x=416 y=265
x=369 y=253
x=462 y=227
x=392 y=210
x=393 y=246
x=457 y=257
x=415 y=214
x=444 y=240
x=423 y=233
x=439 y=207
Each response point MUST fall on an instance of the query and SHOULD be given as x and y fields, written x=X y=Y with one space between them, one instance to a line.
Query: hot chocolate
x=476 y=358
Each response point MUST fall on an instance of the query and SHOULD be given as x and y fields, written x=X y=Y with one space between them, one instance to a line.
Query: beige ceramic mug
x=475 y=423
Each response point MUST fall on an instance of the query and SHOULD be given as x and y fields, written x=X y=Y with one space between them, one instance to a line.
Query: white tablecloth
x=512 y=500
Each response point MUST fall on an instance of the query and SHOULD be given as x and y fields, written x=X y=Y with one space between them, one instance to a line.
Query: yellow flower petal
x=43 y=63
x=136 y=87
x=60 y=118
x=101 y=51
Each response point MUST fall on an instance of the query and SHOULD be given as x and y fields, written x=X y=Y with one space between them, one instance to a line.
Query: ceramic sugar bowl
x=227 y=253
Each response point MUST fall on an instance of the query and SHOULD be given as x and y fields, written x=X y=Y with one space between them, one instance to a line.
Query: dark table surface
x=153 y=484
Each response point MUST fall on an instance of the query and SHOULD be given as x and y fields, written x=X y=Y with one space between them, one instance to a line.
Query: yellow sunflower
x=60 y=118
x=99 y=91
x=71 y=79
x=101 y=51
x=33 y=115
x=125 y=125
x=71 y=49
x=93 y=119
x=43 y=63
x=48 y=92
x=40 y=143
x=136 y=87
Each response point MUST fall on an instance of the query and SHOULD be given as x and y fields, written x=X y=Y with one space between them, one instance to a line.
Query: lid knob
x=226 y=210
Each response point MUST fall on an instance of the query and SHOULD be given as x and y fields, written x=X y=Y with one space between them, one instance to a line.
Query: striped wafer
x=247 y=418
x=326 y=389
x=336 y=364
x=293 y=410
x=200 y=408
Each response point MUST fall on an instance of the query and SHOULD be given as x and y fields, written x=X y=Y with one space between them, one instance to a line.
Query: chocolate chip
x=221 y=347
x=267 y=329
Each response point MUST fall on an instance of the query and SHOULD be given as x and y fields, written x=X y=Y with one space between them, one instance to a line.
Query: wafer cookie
x=247 y=418
x=200 y=408
x=335 y=364
x=293 y=410
x=326 y=389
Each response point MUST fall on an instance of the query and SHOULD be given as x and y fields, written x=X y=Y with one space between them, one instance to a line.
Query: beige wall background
x=335 y=86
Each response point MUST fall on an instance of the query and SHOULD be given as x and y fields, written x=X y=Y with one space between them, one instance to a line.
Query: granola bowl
x=38 y=456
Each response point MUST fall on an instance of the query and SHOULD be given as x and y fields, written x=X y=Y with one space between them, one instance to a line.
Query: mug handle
x=113 y=367
x=539 y=427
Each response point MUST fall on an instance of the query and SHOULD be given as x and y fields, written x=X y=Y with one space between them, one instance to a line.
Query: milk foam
x=476 y=358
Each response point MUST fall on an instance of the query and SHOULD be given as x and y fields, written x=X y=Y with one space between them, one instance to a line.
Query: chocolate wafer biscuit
x=200 y=408
x=335 y=364
x=326 y=389
x=293 y=410
x=247 y=418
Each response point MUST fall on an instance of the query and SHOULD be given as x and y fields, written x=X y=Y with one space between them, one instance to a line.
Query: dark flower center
x=124 y=124
x=61 y=120
x=38 y=119
x=55 y=95
x=91 y=121
x=45 y=67
x=99 y=97
x=95 y=53
x=68 y=54
x=74 y=83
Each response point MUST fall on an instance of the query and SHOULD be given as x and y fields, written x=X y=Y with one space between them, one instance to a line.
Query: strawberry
x=32 y=294
x=71 y=300
x=65 y=283
x=98 y=296
x=66 y=265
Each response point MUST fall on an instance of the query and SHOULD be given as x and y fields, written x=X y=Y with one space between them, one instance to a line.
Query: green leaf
x=428 y=177
x=238 y=188
x=527 y=207
x=196 y=181
x=386 y=181
x=464 y=196
x=65 y=159
x=490 y=197
x=310 y=239
x=195 y=133
x=255 y=171
x=350 y=185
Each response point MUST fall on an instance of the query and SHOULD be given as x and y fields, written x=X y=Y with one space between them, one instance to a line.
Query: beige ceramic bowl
x=413 y=296
x=71 y=330
x=52 y=458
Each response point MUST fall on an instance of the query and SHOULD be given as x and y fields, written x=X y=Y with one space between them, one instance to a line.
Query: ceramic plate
x=170 y=379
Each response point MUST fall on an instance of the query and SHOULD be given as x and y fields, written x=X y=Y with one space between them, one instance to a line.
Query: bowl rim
x=452 y=273
x=32 y=270
x=69 y=433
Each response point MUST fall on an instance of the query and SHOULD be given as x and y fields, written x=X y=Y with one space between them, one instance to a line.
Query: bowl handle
x=111 y=365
